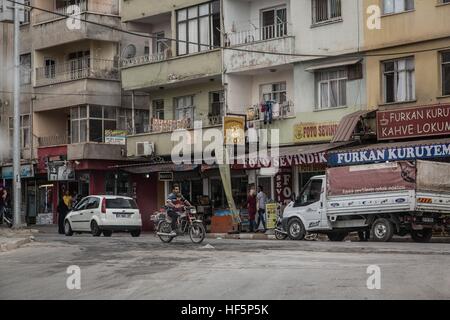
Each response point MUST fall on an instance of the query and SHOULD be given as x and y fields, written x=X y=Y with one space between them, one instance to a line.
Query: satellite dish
x=129 y=52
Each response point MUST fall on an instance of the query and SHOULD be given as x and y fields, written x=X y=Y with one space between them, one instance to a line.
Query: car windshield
x=120 y=203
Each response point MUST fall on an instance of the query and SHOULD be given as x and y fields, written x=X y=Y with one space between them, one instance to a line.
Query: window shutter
x=355 y=71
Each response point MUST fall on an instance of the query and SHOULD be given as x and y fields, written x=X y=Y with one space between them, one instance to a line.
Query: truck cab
x=308 y=211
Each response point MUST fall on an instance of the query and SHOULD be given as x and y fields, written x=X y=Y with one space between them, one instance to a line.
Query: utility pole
x=17 y=184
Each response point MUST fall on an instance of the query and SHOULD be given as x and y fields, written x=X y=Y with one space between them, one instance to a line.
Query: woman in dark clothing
x=63 y=210
x=251 y=205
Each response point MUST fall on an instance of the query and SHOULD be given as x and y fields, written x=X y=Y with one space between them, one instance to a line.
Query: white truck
x=376 y=200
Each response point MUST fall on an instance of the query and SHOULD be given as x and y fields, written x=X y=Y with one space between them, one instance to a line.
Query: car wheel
x=382 y=230
x=68 y=229
x=107 y=233
x=422 y=236
x=95 y=230
x=296 y=229
x=135 y=233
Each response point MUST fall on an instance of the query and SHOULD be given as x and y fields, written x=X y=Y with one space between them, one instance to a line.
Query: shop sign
x=283 y=186
x=315 y=132
x=430 y=151
x=234 y=130
x=60 y=171
x=413 y=122
x=116 y=137
x=26 y=171
x=271 y=211
x=286 y=161
x=165 y=176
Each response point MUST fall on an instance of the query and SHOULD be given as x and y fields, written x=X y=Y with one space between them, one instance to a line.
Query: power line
x=299 y=55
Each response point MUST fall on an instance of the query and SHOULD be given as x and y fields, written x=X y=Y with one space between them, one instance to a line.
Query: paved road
x=122 y=267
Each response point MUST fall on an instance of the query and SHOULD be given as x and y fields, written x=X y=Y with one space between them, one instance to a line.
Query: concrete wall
x=427 y=74
x=334 y=38
x=95 y=151
x=50 y=123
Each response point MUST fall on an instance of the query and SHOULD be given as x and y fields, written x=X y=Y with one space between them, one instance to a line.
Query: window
x=331 y=88
x=121 y=203
x=141 y=121
x=216 y=103
x=198 y=28
x=184 y=108
x=158 y=109
x=274 y=23
x=160 y=44
x=446 y=72
x=26 y=14
x=125 y=121
x=24 y=131
x=78 y=124
x=79 y=64
x=396 y=6
x=88 y=123
x=93 y=203
x=274 y=92
x=117 y=184
x=399 y=82
x=310 y=193
x=25 y=68
x=50 y=65
x=326 y=10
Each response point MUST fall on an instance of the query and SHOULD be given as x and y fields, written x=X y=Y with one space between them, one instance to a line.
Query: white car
x=104 y=214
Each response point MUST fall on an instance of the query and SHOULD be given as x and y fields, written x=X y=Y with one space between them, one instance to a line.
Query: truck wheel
x=382 y=230
x=296 y=229
x=337 y=236
x=422 y=236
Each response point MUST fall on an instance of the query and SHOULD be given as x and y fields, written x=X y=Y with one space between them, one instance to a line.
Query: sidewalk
x=11 y=239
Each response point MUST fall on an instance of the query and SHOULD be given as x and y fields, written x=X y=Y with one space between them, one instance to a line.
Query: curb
x=241 y=236
x=8 y=246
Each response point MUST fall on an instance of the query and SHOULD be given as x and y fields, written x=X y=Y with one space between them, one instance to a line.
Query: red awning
x=348 y=125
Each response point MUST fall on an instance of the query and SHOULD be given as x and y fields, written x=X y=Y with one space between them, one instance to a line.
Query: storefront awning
x=395 y=151
x=347 y=126
x=328 y=65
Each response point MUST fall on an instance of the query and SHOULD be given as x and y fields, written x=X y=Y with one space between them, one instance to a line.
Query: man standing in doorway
x=261 y=202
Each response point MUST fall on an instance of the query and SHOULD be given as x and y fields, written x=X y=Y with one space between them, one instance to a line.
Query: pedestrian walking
x=261 y=203
x=63 y=210
x=3 y=195
x=251 y=206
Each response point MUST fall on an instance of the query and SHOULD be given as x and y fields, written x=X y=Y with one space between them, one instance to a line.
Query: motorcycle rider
x=176 y=203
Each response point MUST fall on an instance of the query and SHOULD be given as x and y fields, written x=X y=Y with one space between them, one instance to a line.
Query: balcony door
x=273 y=23
x=184 y=108
x=79 y=64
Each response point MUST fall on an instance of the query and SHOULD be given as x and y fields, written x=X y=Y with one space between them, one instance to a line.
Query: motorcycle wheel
x=197 y=233
x=165 y=227
x=280 y=236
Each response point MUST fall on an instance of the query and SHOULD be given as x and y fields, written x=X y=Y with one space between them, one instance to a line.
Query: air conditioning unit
x=7 y=11
x=145 y=149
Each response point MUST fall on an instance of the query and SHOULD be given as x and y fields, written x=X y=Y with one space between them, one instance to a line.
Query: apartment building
x=408 y=79
x=74 y=117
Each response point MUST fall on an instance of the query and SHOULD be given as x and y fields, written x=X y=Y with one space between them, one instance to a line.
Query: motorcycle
x=280 y=234
x=7 y=217
x=187 y=222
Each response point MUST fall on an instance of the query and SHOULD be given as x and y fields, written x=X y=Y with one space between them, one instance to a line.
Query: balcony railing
x=258 y=34
x=285 y=110
x=95 y=6
x=77 y=69
x=150 y=58
x=53 y=141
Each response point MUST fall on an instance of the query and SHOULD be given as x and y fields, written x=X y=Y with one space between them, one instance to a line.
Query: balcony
x=77 y=69
x=51 y=29
x=106 y=7
x=151 y=72
x=52 y=141
x=273 y=38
